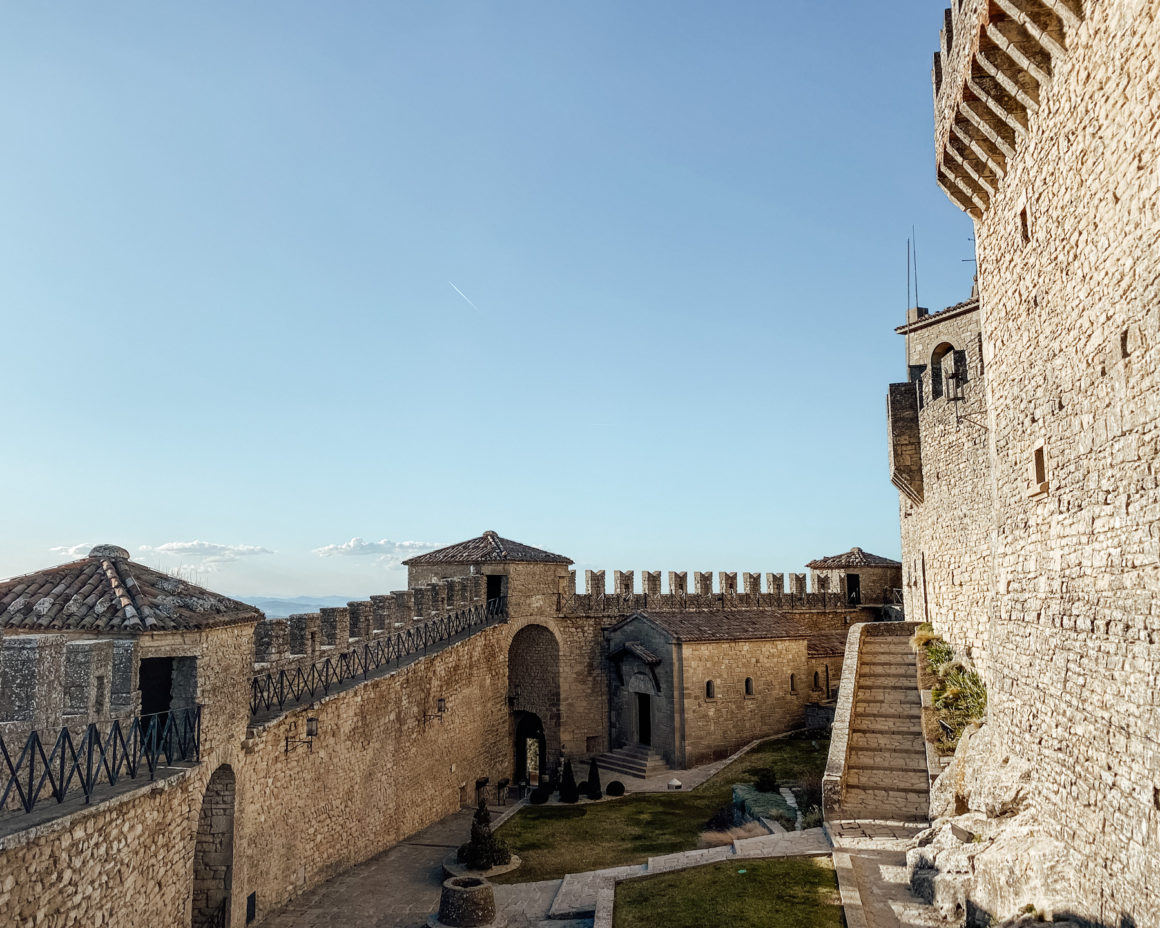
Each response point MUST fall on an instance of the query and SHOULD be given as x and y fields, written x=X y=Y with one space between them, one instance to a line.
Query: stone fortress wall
x=783 y=679
x=946 y=519
x=383 y=765
x=380 y=769
x=1048 y=134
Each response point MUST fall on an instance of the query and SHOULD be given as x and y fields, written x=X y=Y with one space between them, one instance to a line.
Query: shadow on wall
x=979 y=917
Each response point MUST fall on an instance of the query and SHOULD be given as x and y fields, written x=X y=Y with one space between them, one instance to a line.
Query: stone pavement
x=400 y=888
x=870 y=859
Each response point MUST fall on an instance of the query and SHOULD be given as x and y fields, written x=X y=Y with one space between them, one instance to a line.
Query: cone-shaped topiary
x=569 y=792
x=593 y=791
x=484 y=850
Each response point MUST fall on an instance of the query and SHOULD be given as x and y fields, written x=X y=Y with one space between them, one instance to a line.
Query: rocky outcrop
x=985 y=858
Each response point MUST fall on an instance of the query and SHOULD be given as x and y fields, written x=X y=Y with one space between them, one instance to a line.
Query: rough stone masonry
x=1031 y=535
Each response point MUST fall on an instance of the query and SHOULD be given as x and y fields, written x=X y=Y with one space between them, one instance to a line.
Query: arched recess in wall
x=213 y=855
x=942 y=355
x=534 y=687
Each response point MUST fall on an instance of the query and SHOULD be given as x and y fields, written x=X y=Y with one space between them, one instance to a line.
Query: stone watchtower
x=533 y=581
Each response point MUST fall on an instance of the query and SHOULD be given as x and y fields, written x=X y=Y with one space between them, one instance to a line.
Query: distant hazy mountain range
x=278 y=608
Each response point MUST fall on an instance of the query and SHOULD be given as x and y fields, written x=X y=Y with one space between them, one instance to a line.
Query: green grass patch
x=789 y=892
x=555 y=840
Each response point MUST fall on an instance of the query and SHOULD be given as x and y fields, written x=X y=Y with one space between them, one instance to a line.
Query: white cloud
x=205 y=551
x=386 y=552
x=72 y=550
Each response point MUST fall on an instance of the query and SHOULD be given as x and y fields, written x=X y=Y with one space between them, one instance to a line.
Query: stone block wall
x=1069 y=283
x=714 y=727
x=946 y=536
x=378 y=771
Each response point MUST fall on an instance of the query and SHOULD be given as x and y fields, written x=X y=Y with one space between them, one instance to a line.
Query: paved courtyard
x=400 y=888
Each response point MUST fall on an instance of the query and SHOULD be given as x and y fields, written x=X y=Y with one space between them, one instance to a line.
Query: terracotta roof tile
x=487 y=547
x=106 y=592
x=827 y=644
x=855 y=557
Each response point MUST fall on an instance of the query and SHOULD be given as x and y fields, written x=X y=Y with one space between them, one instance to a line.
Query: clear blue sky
x=230 y=233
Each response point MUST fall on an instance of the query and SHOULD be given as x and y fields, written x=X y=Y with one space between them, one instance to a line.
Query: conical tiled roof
x=487 y=547
x=107 y=593
x=855 y=557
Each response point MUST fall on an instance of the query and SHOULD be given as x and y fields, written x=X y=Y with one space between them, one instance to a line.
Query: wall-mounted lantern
x=514 y=697
x=311 y=734
x=440 y=708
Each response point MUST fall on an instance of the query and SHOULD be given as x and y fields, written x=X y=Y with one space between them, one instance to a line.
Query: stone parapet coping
x=834 y=779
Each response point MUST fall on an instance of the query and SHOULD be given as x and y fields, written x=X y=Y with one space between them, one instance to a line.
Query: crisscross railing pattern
x=80 y=763
x=277 y=689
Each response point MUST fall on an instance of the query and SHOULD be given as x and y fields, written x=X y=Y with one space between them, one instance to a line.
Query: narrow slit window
x=792 y=684
x=1024 y=227
x=710 y=690
x=749 y=686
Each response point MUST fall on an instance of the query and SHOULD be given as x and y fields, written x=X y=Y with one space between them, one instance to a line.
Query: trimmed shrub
x=569 y=791
x=593 y=790
x=765 y=780
x=484 y=850
x=615 y=788
x=538 y=796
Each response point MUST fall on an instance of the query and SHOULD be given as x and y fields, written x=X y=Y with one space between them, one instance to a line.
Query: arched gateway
x=534 y=697
x=213 y=856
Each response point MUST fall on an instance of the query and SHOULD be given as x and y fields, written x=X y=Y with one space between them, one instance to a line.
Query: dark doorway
x=156 y=682
x=531 y=749
x=494 y=586
x=853 y=589
x=644 y=718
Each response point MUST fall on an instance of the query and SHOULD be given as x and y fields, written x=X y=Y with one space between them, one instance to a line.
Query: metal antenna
x=915 y=237
x=908 y=275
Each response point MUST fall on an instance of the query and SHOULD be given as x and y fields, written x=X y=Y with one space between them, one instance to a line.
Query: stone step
x=631 y=765
x=886 y=646
x=894 y=743
x=887 y=760
x=885 y=804
x=897 y=781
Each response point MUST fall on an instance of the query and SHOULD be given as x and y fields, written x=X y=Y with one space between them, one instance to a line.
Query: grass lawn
x=789 y=892
x=555 y=840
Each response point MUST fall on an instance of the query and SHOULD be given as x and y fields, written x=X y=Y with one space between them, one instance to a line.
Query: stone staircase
x=636 y=760
x=886 y=775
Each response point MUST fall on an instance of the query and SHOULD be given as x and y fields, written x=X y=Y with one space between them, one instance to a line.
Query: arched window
x=749 y=686
x=937 y=378
x=710 y=690
x=817 y=681
x=792 y=684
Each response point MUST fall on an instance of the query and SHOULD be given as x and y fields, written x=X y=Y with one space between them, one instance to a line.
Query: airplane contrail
x=465 y=296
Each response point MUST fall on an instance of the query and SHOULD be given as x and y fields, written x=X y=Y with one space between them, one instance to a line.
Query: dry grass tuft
x=729 y=835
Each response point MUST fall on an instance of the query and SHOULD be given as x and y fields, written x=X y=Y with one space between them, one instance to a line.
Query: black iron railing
x=80 y=763
x=278 y=689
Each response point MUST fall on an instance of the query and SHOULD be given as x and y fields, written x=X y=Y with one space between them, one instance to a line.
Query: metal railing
x=81 y=763
x=278 y=689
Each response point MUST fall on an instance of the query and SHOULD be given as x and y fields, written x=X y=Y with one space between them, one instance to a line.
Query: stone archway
x=534 y=686
x=213 y=856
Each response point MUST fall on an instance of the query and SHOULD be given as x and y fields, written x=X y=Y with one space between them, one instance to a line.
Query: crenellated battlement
x=624 y=584
x=754 y=592
x=995 y=61
x=306 y=637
